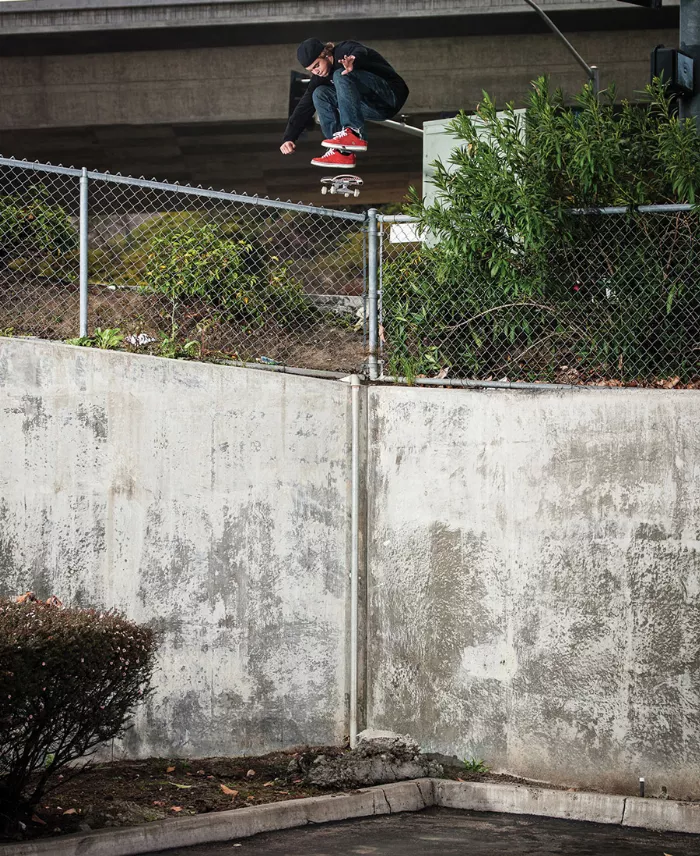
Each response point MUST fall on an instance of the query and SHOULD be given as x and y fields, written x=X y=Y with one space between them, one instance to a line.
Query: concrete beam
x=250 y=83
x=57 y=16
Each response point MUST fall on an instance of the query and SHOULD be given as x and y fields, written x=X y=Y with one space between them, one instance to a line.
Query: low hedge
x=69 y=681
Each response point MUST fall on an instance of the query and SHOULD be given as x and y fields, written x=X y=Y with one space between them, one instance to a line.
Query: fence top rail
x=185 y=189
x=671 y=208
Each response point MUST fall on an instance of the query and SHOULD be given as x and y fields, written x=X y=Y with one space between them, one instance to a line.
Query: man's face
x=322 y=67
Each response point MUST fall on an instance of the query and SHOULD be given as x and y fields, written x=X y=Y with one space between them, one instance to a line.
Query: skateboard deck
x=347 y=185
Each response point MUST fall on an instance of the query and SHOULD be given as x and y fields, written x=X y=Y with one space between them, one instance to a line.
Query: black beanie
x=309 y=50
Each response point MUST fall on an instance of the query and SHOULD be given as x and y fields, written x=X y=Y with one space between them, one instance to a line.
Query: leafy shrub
x=69 y=680
x=511 y=281
x=33 y=233
x=108 y=338
x=232 y=275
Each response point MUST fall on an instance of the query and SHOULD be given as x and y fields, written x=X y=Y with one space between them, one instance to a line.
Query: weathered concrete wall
x=534 y=558
x=534 y=581
x=200 y=499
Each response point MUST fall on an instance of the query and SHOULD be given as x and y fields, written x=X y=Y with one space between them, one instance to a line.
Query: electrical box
x=675 y=68
x=438 y=144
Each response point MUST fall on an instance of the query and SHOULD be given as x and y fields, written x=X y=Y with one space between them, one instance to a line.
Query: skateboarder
x=350 y=83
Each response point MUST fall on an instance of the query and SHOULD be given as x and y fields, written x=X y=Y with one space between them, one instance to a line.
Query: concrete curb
x=663 y=815
x=236 y=823
x=523 y=799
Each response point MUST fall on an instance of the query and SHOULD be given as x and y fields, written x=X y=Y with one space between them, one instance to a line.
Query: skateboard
x=345 y=184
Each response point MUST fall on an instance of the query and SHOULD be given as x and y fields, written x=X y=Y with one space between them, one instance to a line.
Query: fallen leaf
x=459 y=780
x=200 y=772
x=176 y=785
x=70 y=811
x=228 y=791
x=170 y=769
x=158 y=802
x=296 y=781
x=36 y=819
x=268 y=784
x=210 y=777
x=250 y=774
x=282 y=792
x=175 y=808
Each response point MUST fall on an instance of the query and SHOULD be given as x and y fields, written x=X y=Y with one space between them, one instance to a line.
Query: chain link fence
x=613 y=298
x=179 y=271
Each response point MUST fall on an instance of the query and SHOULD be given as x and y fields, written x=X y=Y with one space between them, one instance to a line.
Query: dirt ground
x=36 y=306
x=47 y=310
x=125 y=793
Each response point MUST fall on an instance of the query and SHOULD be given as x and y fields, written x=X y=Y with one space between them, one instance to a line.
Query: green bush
x=512 y=282
x=35 y=236
x=69 y=681
x=236 y=277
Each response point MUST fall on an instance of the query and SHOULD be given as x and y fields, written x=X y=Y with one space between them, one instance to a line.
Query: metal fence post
x=372 y=291
x=84 y=253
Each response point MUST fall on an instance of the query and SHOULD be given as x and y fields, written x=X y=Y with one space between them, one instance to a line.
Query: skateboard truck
x=347 y=185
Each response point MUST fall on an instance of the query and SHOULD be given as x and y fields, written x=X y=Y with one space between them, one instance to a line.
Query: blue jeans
x=352 y=99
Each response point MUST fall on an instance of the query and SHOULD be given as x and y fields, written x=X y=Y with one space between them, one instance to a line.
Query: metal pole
x=84 y=253
x=354 y=554
x=372 y=291
x=591 y=70
x=690 y=43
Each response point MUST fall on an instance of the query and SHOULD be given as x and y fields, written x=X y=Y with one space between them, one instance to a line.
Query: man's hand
x=287 y=148
x=347 y=62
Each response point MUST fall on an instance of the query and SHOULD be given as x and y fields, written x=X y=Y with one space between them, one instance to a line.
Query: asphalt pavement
x=447 y=832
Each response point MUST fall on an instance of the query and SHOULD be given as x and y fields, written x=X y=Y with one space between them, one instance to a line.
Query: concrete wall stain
x=573 y=594
x=200 y=501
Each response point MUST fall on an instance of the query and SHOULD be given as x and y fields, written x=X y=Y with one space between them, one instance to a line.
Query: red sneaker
x=346 y=139
x=334 y=158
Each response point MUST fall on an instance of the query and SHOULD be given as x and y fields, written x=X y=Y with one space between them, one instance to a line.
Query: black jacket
x=366 y=59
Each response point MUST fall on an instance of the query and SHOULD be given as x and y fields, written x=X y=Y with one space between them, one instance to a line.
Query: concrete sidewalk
x=450 y=832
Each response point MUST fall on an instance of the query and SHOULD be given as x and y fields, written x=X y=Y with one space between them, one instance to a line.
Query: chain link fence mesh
x=613 y=299
x=39 y=253
x=182 y=271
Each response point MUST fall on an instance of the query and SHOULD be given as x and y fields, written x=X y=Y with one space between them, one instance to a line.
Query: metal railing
x=612 y=298
x=180 y=271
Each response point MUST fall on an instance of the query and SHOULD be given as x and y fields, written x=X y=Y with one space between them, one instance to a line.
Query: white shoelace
x=344 y=132
x=331 y=152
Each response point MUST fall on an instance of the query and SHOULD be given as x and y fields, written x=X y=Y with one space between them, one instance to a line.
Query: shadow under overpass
x=236 y=156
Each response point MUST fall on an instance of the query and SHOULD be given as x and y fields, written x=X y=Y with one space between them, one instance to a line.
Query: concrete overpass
x=196 y=90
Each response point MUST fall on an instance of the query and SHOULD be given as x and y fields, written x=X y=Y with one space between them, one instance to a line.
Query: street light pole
x=591 y=70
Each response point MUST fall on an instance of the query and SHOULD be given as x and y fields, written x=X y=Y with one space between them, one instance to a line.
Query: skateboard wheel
x=324 y=190
x=356 y=192
x=333 y=190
